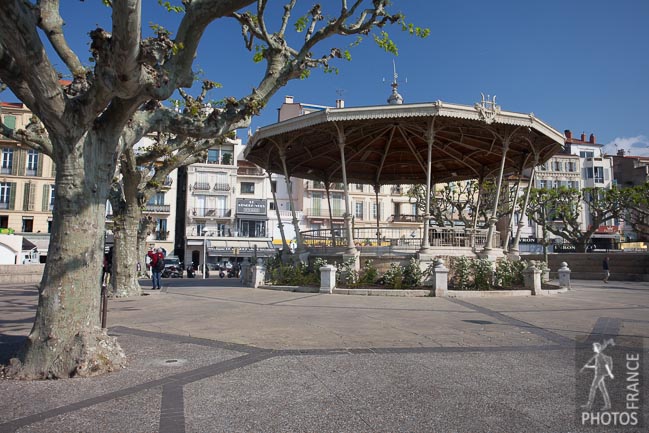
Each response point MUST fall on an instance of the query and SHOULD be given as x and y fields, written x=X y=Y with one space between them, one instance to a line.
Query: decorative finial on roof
x=395 y=98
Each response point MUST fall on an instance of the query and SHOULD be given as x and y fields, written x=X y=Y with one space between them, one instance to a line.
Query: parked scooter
x=191 y=271
x=172 y=272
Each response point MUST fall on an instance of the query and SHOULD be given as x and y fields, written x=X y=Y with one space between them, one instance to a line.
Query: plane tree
x=560 y=211
x=82 y=126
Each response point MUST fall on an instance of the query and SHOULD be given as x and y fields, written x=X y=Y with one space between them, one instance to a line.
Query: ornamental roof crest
x=487 y=109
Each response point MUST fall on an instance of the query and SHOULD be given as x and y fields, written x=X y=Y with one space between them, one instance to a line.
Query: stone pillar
x=440 y=278
x=327 y=278
x=532 y=278
x=245 y=272
x=564 y=276
x=258 y=274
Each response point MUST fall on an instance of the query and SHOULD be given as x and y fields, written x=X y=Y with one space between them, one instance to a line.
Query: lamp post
x=204 y=252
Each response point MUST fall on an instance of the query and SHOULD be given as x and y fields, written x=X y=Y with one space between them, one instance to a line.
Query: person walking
x=605 y=267
x=157 y=265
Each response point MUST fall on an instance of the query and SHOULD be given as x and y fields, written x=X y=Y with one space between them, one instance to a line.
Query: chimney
x=591 y=139
x=620 y=152
x=583 y=136
x=288 y=99
x=568 y=134
x=340 y=103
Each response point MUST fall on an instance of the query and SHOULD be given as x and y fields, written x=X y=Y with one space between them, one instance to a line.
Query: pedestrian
x=157 y=265
x=605 y=267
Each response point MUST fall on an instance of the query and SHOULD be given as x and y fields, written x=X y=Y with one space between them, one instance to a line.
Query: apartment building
x=226 y=208
x=26 y=184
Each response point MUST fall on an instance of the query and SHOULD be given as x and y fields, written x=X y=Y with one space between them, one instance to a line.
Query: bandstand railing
x=398 y=238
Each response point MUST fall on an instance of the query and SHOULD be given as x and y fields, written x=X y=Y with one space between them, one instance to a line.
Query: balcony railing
x=406 y=218
x=249 y=171
x=320 y=212
x=201 y=186
x=210 y=213
x=221 y=187
x=157 y=208
x=161 y=235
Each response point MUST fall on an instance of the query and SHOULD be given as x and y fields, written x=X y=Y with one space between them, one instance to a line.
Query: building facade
x=26 y=184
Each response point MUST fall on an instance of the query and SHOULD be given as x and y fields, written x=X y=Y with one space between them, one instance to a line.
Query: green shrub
x=412 y=274
x=394 y=276
x=509 y=273
x=369 y=274
x=482 y=274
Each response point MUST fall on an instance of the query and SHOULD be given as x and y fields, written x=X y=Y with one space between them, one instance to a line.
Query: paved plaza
x=211 y=356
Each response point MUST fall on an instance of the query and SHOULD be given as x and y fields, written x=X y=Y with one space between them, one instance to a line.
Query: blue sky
x=581 y=64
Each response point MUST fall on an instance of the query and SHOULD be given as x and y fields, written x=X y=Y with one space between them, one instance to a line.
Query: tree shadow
x=10 y=345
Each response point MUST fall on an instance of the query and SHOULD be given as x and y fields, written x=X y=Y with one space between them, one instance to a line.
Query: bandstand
x=400 y=144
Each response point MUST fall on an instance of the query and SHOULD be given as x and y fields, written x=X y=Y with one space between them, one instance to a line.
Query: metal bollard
x=103 y=306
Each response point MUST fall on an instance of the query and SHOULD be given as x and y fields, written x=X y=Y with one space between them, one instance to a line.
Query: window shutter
x=53 y=169
x=9 y=121
x=12 y=195
x=26 y=193
x=39 y=167
x=606 y=175
x=46 y=196
x=20 y=163
x=32 y=196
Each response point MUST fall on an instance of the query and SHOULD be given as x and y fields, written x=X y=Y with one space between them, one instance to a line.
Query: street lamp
x=204 y=252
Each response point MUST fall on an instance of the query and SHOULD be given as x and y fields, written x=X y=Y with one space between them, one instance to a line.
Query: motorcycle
x=172 y=272
x=191 y=271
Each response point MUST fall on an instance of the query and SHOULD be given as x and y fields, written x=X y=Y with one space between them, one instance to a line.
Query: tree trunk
x=126 y=256
x=66 y=339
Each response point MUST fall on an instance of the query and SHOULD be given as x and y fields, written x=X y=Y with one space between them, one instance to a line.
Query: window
x=157 y=199
x=28 y=224
x=252 y=229
x=589 y=172
x=599 y=174
x=51 y=197
x=586 y=154
x=273 y=186
x=4 y=221
x=542 y=184
x=213 y=156
x=247 y=188
x=271 y=205
x=358 y=210
x=543 y=166
x=161 y=229
x=557 y=165
x=5 y=195
x=7 y=160
x=571 y=166
x=359 y=187
x=374 y=213
x=32 y=162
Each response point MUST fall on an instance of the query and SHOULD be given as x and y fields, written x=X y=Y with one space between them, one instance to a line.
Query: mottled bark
x=66 y=339
x=126 y=257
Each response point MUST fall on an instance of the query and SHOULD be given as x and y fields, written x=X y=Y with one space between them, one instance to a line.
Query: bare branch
x=52 y=24
x=21 y=42
x=33 y=136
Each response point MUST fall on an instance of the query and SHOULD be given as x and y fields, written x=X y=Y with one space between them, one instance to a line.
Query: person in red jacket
x=157 y=265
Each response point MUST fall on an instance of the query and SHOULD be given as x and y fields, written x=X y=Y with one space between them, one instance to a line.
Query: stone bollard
x=327 y=278
x=532 y=278
x=440 y=278
x=258 y=274
x=564 y=276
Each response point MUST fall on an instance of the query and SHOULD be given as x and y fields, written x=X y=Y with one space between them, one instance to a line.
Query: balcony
x=161 y=235
x=406 y=218
x=246 y=171
x=210 y=213
x=221 y=187
x=324 y=213
x=201 y=186
x=167 y=182
x=321 y=185
x=157 y=208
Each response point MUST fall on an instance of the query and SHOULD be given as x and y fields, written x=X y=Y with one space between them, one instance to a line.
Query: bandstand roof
x=388 y=144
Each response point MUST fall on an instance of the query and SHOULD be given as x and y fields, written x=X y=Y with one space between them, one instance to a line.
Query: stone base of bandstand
x=492 y=255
